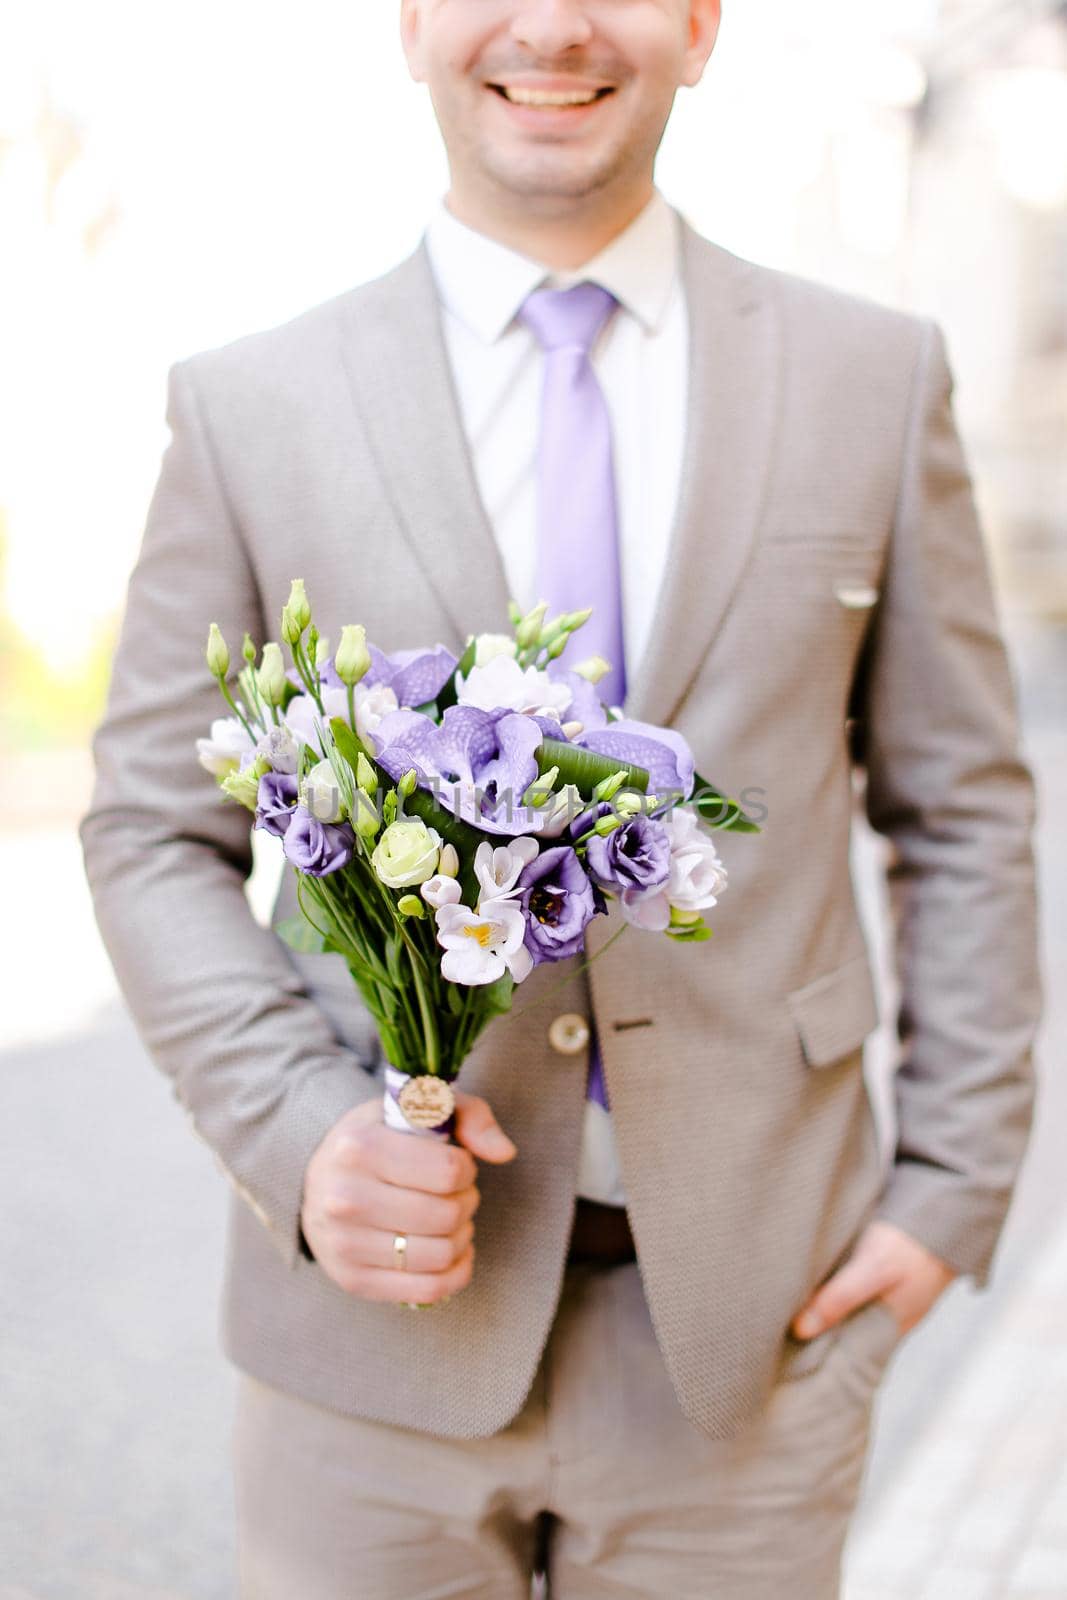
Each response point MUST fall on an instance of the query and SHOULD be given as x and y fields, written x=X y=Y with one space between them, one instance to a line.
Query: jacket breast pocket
x=834 y=1014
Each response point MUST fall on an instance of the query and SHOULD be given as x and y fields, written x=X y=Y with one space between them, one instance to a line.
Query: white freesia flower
x=697 y=875
x=489 y=645
x=561 y=808
x=497 y=868
x=372 y=704
x=502 y=682
x=223 y=751
x=441 y=890
x=480 y=946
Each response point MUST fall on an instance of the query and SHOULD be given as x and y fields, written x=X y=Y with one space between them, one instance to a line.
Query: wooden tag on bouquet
x=427 y=1101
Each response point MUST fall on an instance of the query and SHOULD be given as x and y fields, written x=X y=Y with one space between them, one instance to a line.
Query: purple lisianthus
x=315 y=847
x=415 y=676
x=275 y=802
x=557 y=900
x=635 y=855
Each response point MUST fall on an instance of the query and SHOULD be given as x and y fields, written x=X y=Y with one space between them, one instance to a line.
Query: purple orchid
x=635 y=855
x=663 y=753
x=479 y=763
x=415 y=676
x=557 y=900
x=317 y=848
x=275 y=802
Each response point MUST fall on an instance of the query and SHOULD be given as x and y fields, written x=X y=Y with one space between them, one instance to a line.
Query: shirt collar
x=484 y=282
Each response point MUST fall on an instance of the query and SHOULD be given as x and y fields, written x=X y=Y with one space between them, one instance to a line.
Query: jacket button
x=569 y=1033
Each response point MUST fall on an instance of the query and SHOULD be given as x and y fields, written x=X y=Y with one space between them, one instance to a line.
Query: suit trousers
x=600 y=1480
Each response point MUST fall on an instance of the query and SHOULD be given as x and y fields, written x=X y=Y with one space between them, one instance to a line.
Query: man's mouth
x=519 y=95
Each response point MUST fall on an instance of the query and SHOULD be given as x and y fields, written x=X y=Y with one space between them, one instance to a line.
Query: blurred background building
x=174 y=176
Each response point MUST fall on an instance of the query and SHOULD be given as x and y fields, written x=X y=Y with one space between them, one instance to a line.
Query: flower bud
x=539 y=791
x=297 y=605
x=322 y=652
x=528 y=631
x=448 y=864
x=684 y=919
x=352 y=659
x=629 y=805
x=557 y=646
x=216 y=654
x=592 y=669
x=321 y=793
x=514 y=613
x=409 y=905
x=248 y=650
x=366 y=776
x=270 y=679
x=605 y=825
x=571 y=730
x=577 y=619
x=608 y=788
x=365 y=817
x=408 y=783
x=244 y=786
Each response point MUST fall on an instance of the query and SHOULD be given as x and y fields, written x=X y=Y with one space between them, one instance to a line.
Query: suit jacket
x=827 y=603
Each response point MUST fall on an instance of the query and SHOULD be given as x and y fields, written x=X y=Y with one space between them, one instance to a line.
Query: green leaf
x=427 y=709
x=299 y=935
x=456 y=998
x=586 y=768
x=717 y=810
x=694 y=935
x=447 y=694
x=394 y=957
x=349 y=744
x=496 y=997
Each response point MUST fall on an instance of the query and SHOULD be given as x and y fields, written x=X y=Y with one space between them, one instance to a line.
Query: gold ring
x=400 y=1250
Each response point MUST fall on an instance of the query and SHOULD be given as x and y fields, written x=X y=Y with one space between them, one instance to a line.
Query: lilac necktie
x=577 y=523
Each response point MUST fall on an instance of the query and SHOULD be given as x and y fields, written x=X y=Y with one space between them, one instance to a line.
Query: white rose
x=406 y=854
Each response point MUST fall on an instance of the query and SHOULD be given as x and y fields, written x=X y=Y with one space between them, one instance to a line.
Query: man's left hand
x=886 y=1264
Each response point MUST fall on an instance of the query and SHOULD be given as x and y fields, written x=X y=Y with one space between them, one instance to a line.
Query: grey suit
x=827 y=565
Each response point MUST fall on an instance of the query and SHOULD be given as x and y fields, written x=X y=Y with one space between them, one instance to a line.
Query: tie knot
x=574 y=316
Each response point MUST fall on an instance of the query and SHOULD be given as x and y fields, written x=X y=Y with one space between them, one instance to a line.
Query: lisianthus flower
x=317 y=848
x=275 y=802
x=501 y=684
x=372 y=703
x=558 y=901
x=497 y=868
x=635 y=855
x=222 y=752
x=696 y=878
x=480 y=946
x=281 y=748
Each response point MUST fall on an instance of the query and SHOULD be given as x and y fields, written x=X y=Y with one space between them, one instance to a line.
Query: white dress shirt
x=641 y=360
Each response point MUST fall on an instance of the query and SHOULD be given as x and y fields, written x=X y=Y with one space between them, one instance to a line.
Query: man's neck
x=561 y=241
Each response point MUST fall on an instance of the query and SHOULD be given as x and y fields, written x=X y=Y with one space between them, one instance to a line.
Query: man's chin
x=543 y=184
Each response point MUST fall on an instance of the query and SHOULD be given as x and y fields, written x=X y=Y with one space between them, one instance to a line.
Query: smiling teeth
x=543 y=97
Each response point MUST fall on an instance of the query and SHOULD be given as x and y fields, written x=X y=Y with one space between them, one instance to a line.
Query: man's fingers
x=478 y=1129
x=389 y=1284
x=850 y=1287
x=411 y=1162
x=426 y=1252
x=365 y=1201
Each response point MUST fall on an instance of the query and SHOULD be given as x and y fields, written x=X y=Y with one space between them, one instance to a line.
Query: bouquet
x=455 y=823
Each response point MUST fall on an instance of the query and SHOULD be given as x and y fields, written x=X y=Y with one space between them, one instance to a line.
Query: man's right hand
x=367 y=1182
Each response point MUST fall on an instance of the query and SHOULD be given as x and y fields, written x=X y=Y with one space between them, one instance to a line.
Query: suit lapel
x=732 y=410
x=401 y=382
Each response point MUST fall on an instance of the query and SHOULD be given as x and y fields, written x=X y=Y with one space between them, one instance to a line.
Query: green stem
x=231 y=702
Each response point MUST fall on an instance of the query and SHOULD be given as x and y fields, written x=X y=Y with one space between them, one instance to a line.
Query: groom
x=656 y=1374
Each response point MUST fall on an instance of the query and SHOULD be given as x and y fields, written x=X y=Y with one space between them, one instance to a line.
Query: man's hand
x=367 y=1182
x=887 y=1264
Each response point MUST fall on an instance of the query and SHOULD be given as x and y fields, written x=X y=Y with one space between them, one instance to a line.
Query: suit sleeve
x=218 y=1003
x=948 y=788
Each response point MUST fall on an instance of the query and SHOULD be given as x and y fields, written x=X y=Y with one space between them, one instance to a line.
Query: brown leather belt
x=600 y=1234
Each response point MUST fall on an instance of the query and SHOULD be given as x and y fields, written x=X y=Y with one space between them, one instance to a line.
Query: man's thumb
x=478 y=1129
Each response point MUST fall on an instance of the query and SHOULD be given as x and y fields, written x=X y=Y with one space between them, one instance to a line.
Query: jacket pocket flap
x=835 y=1014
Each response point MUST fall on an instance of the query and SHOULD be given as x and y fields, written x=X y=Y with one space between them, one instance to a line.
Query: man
x=668 y=1381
